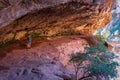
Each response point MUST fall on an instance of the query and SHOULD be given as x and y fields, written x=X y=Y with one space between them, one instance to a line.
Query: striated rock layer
x=50 y=18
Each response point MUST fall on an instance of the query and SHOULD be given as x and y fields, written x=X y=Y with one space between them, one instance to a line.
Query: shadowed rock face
x=11 y=11
x=18 y=8
x=44 y=17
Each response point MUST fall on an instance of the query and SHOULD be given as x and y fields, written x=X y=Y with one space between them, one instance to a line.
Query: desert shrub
x=38 y=35
x=35 y=35
x=101 y=63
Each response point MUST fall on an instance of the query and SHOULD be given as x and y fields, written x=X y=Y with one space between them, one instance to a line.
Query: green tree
x=100 y=60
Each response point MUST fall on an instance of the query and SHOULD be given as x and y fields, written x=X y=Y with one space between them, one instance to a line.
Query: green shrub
x=35 y=35
x=7 y=42
x=101 y=62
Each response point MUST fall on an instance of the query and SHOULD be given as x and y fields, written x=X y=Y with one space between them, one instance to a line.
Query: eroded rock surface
x=54 y=17
x=49 y=60
x=46 y=60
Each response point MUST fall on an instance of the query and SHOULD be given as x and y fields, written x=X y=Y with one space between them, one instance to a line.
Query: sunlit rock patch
x=64 y=19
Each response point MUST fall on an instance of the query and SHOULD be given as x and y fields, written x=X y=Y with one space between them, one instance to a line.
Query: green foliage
x=35 y=35
x=105 y=69
x=7 y=42
x=38 y=35
x=96 y=49
x=101 y=61
x=62 y=34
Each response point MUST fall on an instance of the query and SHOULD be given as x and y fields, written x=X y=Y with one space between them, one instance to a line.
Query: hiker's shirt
x=29 y=39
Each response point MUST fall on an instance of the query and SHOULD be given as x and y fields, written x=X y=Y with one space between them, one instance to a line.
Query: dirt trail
x=35 y=42
x=20 y=45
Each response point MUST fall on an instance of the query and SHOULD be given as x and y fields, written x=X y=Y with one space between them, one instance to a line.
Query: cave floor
x=47 y=56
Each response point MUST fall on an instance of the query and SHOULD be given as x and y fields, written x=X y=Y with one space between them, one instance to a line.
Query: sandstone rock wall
x=15 y=9
x=22 y=7
x=47 y=19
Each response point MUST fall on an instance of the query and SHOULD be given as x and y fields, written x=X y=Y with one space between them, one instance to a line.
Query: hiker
x=29 y=40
